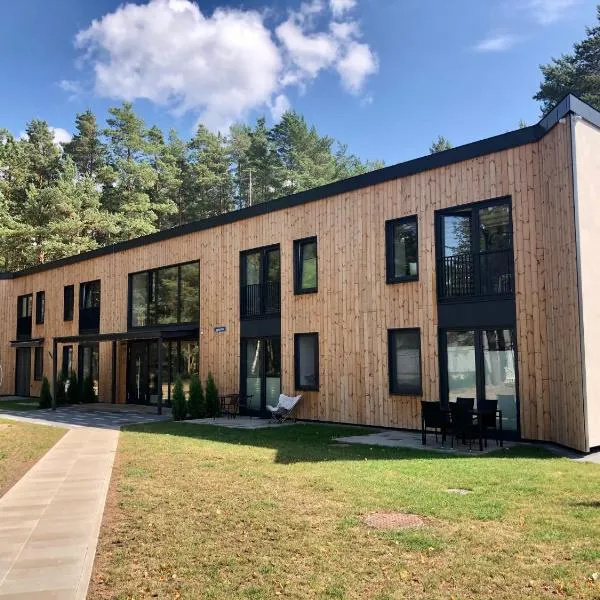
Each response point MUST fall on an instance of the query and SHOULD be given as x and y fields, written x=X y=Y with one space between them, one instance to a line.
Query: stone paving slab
x=50 y=520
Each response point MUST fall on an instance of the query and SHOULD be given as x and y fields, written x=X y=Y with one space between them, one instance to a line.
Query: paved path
x=50 y=520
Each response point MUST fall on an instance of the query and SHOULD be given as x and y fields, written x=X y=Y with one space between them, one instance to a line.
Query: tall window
x=402 y=249
x=68 y=299
x=306 y=361
x=260 y=282
x=38 y=363
x=166 y=296
x=24 y=306
x=405 y=361
x=305 y=266
x=40 y=307
x=89 y=294
x=67 y=360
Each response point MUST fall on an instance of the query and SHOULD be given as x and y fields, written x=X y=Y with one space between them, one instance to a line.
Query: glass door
x=481 y=364
x=23 y=372
x=137 y=373
x=261 y=372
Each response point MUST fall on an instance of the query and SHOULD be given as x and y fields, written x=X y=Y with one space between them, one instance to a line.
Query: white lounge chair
x=284 y=408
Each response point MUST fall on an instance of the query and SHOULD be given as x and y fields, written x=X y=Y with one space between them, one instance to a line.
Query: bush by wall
x=45 y=395
x=61 y=393
x=88 y=395
x=178 y=408
x=196 y=401
x=213 y=404
x=73 y=391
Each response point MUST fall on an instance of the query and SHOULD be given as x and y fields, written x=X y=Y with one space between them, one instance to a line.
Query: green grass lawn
x=19 y=404
x=206 y=512
x=21 y=445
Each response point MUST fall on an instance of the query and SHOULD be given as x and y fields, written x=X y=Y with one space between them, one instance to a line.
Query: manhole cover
x=393 y=520
x=460 y=491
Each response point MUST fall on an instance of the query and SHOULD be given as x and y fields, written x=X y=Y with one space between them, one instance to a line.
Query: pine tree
x=85 y=148
x=440 y=144
x=45 y=395
x=178 y=403
x=264 y=165
x=576 y=73
x=73 y=390
x=213 y=405
x=196 y=401
x=239 y=145
x=41 y=154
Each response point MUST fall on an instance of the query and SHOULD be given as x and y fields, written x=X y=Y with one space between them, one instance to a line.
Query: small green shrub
x=196 y=401
x=73 y=391
x=213 y=406
x=61 y=393
x=179 y=408
x=45 y=395
x=88 y=393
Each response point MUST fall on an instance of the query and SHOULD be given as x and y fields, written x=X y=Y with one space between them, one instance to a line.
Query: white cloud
x=222 y=66
x=61 y=136
x=73 y=88
x=497 y=43
x=549 y=11
x=280 y=105
x=340 y=7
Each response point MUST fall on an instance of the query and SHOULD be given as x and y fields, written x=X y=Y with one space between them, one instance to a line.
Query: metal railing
x=261 y=299
x=476 y=274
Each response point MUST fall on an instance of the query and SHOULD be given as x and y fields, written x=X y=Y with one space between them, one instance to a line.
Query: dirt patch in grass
x=206 y=512
x=21 y=445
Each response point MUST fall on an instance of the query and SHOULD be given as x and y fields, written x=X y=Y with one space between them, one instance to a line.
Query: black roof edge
x=512 y=139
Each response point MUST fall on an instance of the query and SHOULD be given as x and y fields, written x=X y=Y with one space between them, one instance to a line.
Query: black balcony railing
x=23 y=328
x=478 y=274
x=260 y=300
x=89 y=320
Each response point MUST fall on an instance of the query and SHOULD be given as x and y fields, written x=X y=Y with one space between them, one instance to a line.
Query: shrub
x=88 y=393
x=178 y=408
x=45 y=395
x=196 y=401
x=213 y=406
x=61 y=392
x=73 y=391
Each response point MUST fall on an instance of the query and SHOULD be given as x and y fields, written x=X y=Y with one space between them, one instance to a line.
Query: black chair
x=433 y=418
x=466 y=402
x=488 y=415
x=463 y=424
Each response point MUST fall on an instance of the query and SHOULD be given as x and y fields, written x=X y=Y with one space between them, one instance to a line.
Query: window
x=405 y=361
x=89 y=295
x=38 y=363
x=40 y=307
x=305 y=266
x=402 y=249
x=69 y=297
x=306 y=361
x=260 y=282
x=24 y=306
x=67 y=360
x=166 y=296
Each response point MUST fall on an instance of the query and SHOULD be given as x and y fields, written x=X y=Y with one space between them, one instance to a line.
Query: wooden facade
x=354 y=307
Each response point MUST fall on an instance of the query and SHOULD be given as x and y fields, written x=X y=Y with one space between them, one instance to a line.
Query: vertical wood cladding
x=354 y=306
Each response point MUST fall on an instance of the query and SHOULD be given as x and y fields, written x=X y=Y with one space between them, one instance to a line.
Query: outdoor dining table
x=230 y=403
x=478 y=415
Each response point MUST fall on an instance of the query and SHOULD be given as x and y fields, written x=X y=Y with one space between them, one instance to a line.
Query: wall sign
x=220 y=329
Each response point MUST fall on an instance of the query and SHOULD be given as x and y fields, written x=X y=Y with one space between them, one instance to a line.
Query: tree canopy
x=577 y=73
x=130 y=179
x=440 y=144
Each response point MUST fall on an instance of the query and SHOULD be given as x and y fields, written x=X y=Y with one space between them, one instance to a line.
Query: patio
x=238 y=422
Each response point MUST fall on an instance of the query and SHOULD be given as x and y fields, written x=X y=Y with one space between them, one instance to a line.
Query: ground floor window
x=89 y=364
x=306 y=361
x=38 y=363
x=67 y=361
x=405 y=361
x=260 y=372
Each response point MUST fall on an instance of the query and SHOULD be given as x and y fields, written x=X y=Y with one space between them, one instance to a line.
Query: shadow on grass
x=316 y=443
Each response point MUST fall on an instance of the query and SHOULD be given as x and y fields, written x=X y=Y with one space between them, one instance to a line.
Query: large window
x=40 y=308
x=167 y=296
x=405 y=361
x=305 y=266
x=38 y=363
x=89 y=307
x=24 y=306
x=68 y=300
x=89 y=294
x=260 y=282
x=306 y=361
x=402 y=250
x=67 y=361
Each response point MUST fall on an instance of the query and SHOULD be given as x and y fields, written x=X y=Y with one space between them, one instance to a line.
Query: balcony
x=467 y=275
x=89 y=320
x=260 y=300
x=24 y=328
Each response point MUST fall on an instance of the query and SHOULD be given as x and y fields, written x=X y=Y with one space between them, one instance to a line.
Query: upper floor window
x=306 y=361
x=40 y=308
x=166 y=296
x=305 y=266
x=260 y=281
x=68 y=301
x=402 y=250
x=404 y=362
x=24 y=308
x=89 y=306
x=474 y=249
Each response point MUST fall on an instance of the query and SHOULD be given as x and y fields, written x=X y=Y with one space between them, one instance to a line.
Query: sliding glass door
x=481 y=364
x=261 y=372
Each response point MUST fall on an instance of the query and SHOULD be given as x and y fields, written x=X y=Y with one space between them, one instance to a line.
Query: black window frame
x=83 y=293
x=403 y=390
x=40 y=307
x=67 y=356
x=389 y=249
x=269 y=297
x=298 y=264
x=38 y=363
x=152 y=292
x=68 y=302
x=297 y=385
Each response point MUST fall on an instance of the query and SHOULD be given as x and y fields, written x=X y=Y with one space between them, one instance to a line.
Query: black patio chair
x=433 y=418
x=466 y=402
x=463 y=425
x=488 y=413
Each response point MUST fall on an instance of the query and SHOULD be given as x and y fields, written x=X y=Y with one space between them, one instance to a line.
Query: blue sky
x=384 y=76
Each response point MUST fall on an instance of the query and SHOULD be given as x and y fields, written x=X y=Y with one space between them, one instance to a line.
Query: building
x=472 y=272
